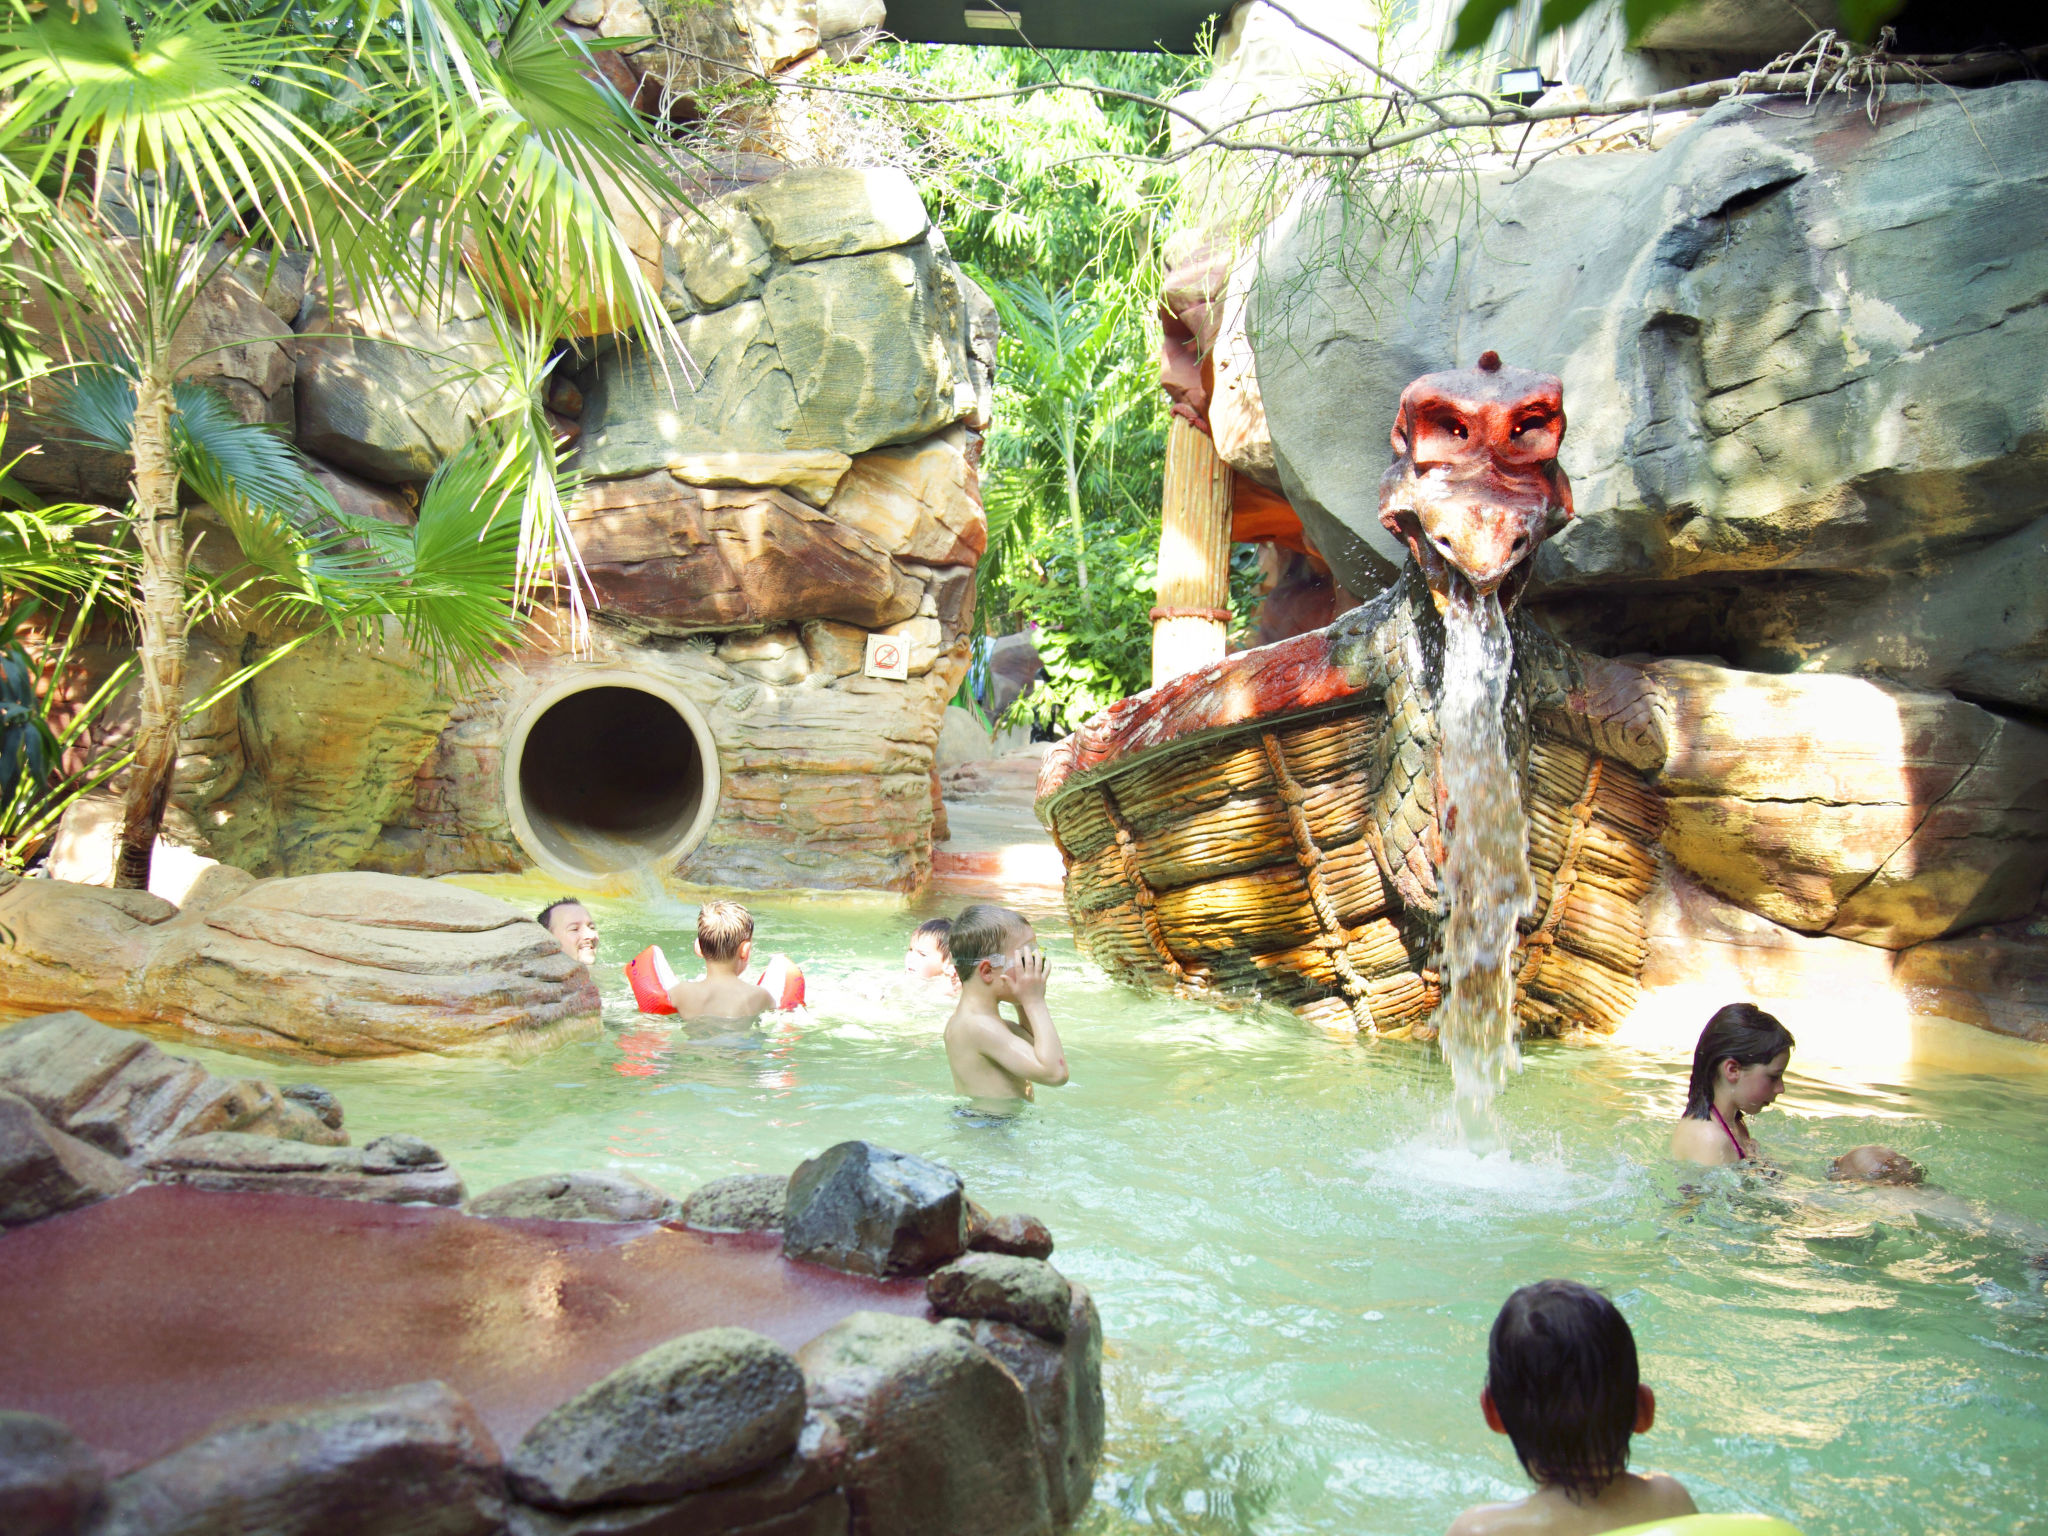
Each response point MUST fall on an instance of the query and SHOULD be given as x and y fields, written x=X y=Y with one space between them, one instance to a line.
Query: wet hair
x=547 y=912
x=981 y=932
x=1742 y=1033
x=939 y=929
x=1561 y=1369
x=722 y=927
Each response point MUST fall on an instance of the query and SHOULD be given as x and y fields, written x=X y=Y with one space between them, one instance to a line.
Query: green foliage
x=28 y=747
x=1860 y=19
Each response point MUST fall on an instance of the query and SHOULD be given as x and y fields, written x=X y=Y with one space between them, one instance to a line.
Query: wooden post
x=1190 y=625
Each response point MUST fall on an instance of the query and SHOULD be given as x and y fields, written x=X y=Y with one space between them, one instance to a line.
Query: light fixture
x=1521 y=86
x=984 y=18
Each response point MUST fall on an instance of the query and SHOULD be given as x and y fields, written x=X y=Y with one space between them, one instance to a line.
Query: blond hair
x=983 y=932
x=722 y=927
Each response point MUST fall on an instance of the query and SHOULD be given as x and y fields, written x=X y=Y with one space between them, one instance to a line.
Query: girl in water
x=1737 y=1069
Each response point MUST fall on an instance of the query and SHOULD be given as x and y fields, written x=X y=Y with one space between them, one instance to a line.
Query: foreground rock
x=746 y=1202
x=994 y=1286
x=131 y=1100
x=577 y=1197
x=411 y=1460
x=939 y=1436
x=1062 y=1383
x=50 y=1481
x=399 y=1170
x=44 y=1171
x=1024 y=1237
x=863 y=1208
x=319 y=965
x=797 y=1496
x=698 y=1410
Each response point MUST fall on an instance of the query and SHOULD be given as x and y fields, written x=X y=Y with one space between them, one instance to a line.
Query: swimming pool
x=1297 y=1266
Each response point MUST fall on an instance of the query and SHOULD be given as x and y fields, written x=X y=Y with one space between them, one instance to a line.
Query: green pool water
x=1297 y=1266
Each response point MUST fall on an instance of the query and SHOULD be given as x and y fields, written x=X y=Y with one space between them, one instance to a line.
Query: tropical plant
x=404 y=144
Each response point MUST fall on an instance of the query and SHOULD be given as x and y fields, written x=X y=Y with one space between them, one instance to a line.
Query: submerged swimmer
x=996 y=955
x=1738 y=1068
x=570 y=922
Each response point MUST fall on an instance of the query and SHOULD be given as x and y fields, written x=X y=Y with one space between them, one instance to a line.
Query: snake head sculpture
x=1475 y=486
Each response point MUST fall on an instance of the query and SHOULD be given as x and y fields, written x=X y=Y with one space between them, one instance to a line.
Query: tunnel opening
x=610 y=774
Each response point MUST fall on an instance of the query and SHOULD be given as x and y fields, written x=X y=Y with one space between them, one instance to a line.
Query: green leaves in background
x=1860 y=19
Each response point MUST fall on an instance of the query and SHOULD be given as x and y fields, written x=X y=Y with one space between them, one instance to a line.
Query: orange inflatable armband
x=650 y=977
x=784 y=980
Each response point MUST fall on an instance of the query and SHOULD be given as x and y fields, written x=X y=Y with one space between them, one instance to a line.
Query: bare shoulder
x=1488 y=1519
x=1668 y=1495
x=1700 y=1141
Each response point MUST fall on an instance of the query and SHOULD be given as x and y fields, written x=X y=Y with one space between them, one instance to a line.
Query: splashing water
x=1486 y=880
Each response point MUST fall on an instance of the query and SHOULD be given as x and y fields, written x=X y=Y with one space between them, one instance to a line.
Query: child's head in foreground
x=987 y=932
x=931 y=950
x=725 y=931
x=1562 y=1384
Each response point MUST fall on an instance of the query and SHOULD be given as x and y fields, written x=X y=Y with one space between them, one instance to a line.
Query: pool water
x=1297 y=1265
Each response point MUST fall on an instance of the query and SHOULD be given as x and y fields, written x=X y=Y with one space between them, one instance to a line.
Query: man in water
x=995 y=953
x=570 y=922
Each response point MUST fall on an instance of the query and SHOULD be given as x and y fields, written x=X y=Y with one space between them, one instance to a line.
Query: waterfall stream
x=1486 y=881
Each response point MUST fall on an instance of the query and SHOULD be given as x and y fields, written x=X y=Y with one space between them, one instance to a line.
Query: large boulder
x=319 y=965
x=679 y=558
x=124 y=1096
x=396 y=1170
x=1062 y=1382
x=865 y=1209
x=412 y=1461
x=1798 y=353
x=387 y=391
x=44 y=1170
x=939 y=1436
x=921 y=501
x=51 y=1483
x=699 y=1410
x=796 y=1496
x=1850 y=807
x=1002 y=1288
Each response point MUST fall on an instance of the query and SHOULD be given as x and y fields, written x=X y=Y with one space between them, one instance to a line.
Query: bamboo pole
x=1189 y=624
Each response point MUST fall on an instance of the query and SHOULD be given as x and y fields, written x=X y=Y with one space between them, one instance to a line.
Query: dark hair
x=939 y=928
x=982 y=930
x=1742 y=1033
x=722 y=927
x=552 y=908
x=1561 y=1369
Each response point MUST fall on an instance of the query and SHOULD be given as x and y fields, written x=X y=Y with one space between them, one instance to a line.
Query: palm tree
x=404 y=144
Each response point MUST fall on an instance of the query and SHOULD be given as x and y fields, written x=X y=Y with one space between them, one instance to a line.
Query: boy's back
x=1629 y=1500
x=720 y=997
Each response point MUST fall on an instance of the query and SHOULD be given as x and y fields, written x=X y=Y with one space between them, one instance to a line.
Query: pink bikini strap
x=1733 y=1139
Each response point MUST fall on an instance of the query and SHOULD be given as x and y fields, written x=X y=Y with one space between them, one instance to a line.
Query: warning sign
x=888 y=656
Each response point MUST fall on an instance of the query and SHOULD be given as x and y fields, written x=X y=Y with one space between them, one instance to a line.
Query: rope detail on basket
x=1539 y=943
x=1141 y=892
x=1310 y=857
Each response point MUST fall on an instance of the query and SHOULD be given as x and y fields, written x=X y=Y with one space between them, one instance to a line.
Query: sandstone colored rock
x=746 y=1202
x=696 y=1411
x=1796 y=355
x=682 y=558
x=836 y=211
x=811 y=474
x=1003 y=1289
x=925 y=639
x=921 y=501
x=1024 y=1237
x=772 y=656
x=44 y=1171
x=716 y=255
x=836 y=650
x=577 y=1197
x=405 y=1462
x=387 y=392
x=124 y=1096
x=51 y=1483
x=1062 y=1383
x=939 y=1435
x=365 y=498
x=1851 y=807
x=961 y=739
x=863 y=1208
x=396 y=1170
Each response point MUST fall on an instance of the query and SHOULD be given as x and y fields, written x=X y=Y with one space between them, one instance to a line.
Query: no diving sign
x=888 y=656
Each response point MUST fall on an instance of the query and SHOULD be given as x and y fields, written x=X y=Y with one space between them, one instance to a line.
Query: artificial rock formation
x=396 y=1170
x=319 y=965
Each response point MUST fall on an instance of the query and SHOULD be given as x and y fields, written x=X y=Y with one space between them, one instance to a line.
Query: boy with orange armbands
x=725 y=942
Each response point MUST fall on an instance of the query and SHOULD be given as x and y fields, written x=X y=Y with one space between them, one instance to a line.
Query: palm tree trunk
x=1074 y=517
x=160 y=616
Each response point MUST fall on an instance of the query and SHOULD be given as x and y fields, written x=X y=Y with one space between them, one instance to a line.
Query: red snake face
x=1475 y=485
